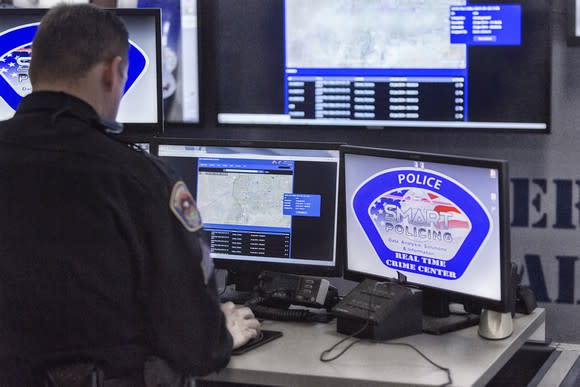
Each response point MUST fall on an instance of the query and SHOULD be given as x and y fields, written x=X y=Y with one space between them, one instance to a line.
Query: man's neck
x=68 y=90
x=87 y=89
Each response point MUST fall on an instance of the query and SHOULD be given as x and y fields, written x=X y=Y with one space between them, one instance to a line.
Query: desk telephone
x=277 y=291
x=386 y=309
x=295 y=289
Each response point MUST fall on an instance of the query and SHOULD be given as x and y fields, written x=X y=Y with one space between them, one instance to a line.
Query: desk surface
x=293 y=359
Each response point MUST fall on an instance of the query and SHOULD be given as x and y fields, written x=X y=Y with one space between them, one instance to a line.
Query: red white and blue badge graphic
x=15 y=50
x=183 y=206
x=14 y=70
x=421 y=221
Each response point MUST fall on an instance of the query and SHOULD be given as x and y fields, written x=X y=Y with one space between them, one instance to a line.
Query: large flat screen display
x=433 y=64
x=141 y=108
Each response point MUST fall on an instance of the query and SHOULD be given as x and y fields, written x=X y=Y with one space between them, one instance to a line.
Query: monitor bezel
x=242 y=266
x=149 y=128
x=502 y=305
x=129 y=128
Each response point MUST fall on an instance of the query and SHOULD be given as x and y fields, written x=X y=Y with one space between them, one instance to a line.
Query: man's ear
x=113 y=71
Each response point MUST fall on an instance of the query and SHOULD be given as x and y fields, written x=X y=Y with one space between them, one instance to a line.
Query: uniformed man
x=101 y=256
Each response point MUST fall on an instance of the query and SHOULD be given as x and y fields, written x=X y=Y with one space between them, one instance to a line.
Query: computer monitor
x=431 y=64
x=573 y=21
x=179 y=37
x=141 y=109
x=265 y=206
x=441 y=221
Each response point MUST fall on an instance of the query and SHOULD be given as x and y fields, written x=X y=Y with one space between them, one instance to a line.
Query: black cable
x=366 y=324
x=223 y=291
x=326 y=360
x=445 y=369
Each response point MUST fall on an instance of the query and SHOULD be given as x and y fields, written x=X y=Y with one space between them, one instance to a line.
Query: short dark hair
x=71 y=39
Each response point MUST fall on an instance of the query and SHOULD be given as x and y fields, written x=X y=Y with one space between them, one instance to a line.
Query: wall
x=544 y=169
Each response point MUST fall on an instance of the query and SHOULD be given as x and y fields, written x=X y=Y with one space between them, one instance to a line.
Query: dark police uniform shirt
x=100 y=249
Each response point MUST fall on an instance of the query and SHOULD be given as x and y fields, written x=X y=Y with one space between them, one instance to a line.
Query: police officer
x=101 y=255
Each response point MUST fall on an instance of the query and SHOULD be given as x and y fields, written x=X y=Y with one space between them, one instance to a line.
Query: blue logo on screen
x=15 y=49
x=421 y=221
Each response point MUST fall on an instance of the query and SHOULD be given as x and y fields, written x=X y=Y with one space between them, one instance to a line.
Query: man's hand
x=241 y=323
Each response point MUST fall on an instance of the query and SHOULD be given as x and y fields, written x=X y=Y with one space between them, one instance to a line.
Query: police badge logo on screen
x=421 y=221
x=15 y=50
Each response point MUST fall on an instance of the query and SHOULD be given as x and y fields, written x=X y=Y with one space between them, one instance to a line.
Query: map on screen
x=243 y=198
x=343 y=34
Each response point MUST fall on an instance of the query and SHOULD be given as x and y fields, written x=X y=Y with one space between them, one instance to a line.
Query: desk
x=293 y=359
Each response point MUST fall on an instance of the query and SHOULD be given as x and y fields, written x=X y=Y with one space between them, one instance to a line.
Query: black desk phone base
x=389 y=310
x=386 y=310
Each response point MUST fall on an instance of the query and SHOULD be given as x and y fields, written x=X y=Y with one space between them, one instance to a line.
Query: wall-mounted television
x=179 y=37
x=141 y=108
x=454 y=64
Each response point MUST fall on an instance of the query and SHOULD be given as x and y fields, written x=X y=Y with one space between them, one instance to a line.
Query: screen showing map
x=384 y=63
x=437 y=223
x=263 y=204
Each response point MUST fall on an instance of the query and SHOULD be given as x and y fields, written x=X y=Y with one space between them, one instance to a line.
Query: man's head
x=82 y=49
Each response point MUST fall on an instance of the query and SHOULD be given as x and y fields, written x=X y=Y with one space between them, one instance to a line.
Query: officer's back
x=102 y=262
x=95 y=270
x=70 y=242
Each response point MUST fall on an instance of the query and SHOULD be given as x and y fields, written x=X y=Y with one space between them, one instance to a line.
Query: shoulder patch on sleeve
x=183 y=206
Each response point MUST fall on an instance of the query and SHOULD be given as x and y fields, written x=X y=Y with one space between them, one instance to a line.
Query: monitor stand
x=240 y=286
x=437 y=318
x=495 y=325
